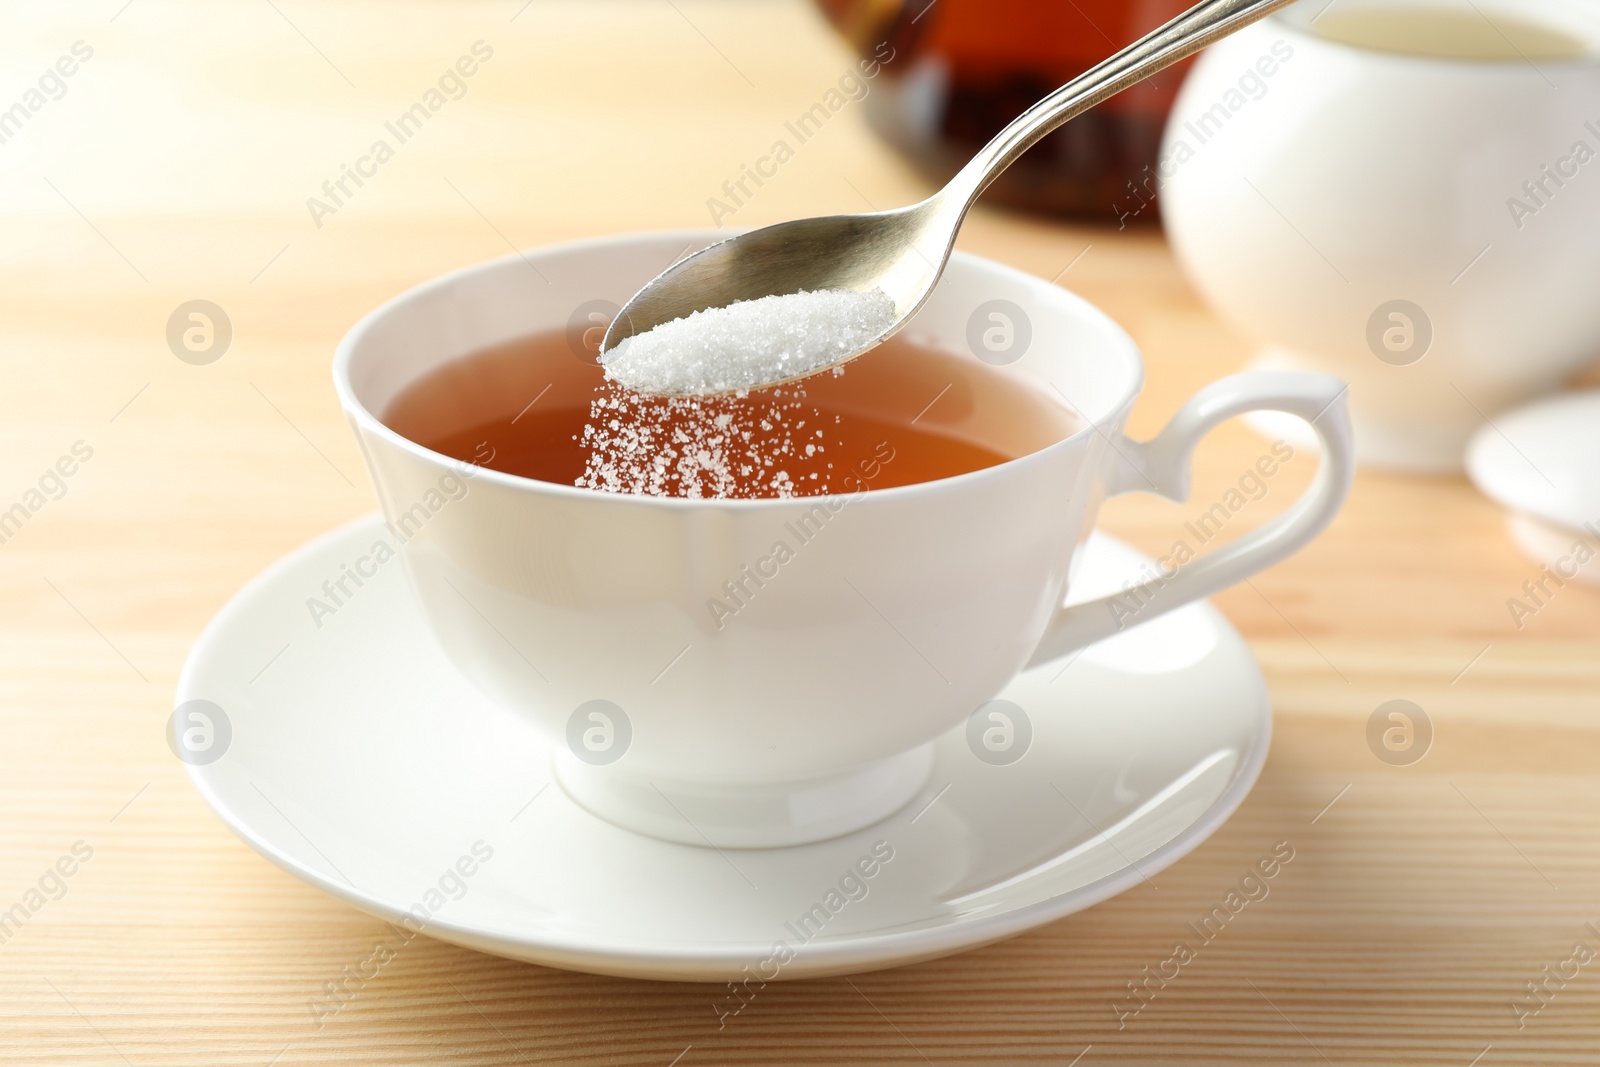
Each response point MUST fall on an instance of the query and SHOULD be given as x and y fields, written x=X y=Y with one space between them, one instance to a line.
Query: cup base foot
x=723 y=815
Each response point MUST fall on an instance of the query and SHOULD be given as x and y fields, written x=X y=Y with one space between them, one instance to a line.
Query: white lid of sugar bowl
x=1543 y=459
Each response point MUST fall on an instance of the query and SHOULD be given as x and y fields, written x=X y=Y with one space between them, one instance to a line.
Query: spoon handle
x=1206 y=22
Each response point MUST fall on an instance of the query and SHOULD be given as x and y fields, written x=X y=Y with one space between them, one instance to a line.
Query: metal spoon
x=903 y=251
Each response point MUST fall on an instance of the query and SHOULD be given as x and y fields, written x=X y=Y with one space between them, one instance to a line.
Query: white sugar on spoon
x=751 y=343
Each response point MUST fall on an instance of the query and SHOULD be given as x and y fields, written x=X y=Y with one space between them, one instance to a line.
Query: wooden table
x=177 y=165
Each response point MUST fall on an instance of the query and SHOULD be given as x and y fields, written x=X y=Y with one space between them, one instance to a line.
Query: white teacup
x=809 y=713
x=1423 y=227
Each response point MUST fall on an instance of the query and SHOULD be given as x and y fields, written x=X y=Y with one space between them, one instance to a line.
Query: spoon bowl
x=902 y=252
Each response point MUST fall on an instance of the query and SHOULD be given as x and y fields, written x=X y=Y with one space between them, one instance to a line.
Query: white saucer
x=357 y=759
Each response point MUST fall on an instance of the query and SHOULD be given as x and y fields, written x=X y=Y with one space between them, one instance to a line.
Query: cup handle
x=1161 y=465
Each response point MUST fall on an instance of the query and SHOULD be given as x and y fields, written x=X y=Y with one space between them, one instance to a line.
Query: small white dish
x=354 y=755
x=1539 y=462
x=1566 y=552
x=1543 y=459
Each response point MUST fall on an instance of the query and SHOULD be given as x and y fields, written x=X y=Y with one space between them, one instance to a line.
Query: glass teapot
x=956 y=71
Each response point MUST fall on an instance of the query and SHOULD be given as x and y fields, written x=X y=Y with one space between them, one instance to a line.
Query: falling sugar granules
x=713 y=446
x=665 y=424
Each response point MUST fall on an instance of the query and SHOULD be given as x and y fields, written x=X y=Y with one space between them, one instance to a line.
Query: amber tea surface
x=906 y=412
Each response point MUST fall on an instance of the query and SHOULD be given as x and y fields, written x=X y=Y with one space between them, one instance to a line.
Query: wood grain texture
x=177 y=166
